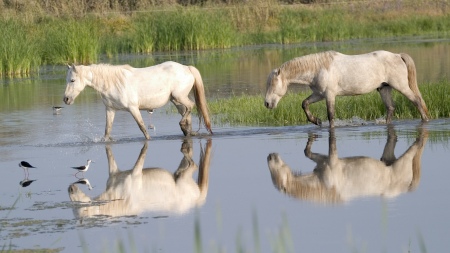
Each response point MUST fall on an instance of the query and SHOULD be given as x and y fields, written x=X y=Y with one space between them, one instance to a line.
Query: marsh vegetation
x=59 y=32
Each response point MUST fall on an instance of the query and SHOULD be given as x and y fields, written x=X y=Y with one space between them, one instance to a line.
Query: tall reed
x=19 y=52
x=192 y=29
x=71 y=41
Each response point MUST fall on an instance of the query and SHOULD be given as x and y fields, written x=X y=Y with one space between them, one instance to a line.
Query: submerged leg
x=138 y=117
x=110 y=113
x=386 y=97
x=305 y=105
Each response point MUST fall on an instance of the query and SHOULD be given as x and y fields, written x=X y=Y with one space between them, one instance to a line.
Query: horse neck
x=309 y=187
x=303 y=70
x=89 y=78
x=103 y=78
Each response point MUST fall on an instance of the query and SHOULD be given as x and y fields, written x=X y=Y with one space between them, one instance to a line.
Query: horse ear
x=277 y=71
x=73 y=68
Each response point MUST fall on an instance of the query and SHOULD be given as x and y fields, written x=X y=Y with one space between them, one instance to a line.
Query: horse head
x=305 y=187
x=75 y=83
x=77 y=195
x=279 y=171
x=275 y=89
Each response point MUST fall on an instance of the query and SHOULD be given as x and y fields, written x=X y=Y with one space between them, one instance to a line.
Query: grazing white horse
x=330 y=74
x=133 y=89
x=140 y=190
x=337 y=180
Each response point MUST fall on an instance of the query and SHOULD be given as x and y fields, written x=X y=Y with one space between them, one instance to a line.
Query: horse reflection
x=149 y=189
x=337 y=180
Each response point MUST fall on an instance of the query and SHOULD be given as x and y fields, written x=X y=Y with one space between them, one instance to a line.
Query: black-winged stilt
x=83 y=168
x=25 y=165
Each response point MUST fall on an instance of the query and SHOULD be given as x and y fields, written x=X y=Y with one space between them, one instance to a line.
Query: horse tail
x=203 y=175
x=200 y=98
x=412 y=79
x=416 y=165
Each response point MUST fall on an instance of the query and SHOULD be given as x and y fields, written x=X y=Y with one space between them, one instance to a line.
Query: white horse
x=142 y=190
x=330 y=74
x=337 y=180
x=134 y=89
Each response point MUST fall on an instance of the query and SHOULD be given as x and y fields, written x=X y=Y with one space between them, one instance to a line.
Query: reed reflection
x=140 y=190
x=337 y=180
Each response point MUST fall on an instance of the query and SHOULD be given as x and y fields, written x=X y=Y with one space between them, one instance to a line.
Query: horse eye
x=72 y=80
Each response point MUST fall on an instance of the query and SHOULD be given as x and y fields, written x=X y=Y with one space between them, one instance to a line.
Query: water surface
x=244 y=211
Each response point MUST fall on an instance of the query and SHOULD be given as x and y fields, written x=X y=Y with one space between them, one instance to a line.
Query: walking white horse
x=132 y=89
x=337 y=180
x=330 y=74
x=140 y=190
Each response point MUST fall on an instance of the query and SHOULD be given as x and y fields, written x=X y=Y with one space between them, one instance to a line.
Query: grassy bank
x=60 y=33
x=290 y=112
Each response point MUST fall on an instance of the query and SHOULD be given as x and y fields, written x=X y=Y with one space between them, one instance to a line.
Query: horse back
x=360 y=74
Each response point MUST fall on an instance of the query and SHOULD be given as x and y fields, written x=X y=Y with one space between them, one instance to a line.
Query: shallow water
x=243 y=210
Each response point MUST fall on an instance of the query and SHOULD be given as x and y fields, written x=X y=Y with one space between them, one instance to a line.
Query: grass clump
x=250 y=111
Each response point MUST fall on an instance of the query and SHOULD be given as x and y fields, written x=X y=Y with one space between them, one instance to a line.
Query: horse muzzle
x=270 y=105
x=68 y=100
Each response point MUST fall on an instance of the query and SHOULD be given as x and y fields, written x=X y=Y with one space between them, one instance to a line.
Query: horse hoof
x=107 y=139
x=319 y=122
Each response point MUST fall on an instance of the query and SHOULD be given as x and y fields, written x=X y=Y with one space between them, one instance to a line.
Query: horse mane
x=108 y=76
x=315 y=192
x=308 y=63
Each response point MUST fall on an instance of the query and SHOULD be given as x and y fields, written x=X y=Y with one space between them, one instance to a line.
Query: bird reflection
x=84 y=181
x=139 y=190
x=26 y=182
x=337 y=180
x=57 y=110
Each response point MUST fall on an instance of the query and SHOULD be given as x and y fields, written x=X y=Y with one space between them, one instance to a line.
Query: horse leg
x=138 y=118
x=416 y=100
x=110 y=113
x=305 y=105
x=186 y=161
x=388 y=156
x=184 y=107
x=330 y=110
x=386 y=97
x=315 y=157
x=111 y=161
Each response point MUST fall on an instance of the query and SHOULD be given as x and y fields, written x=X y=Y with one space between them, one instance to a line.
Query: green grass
x=250 y=111
x=31 y=38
